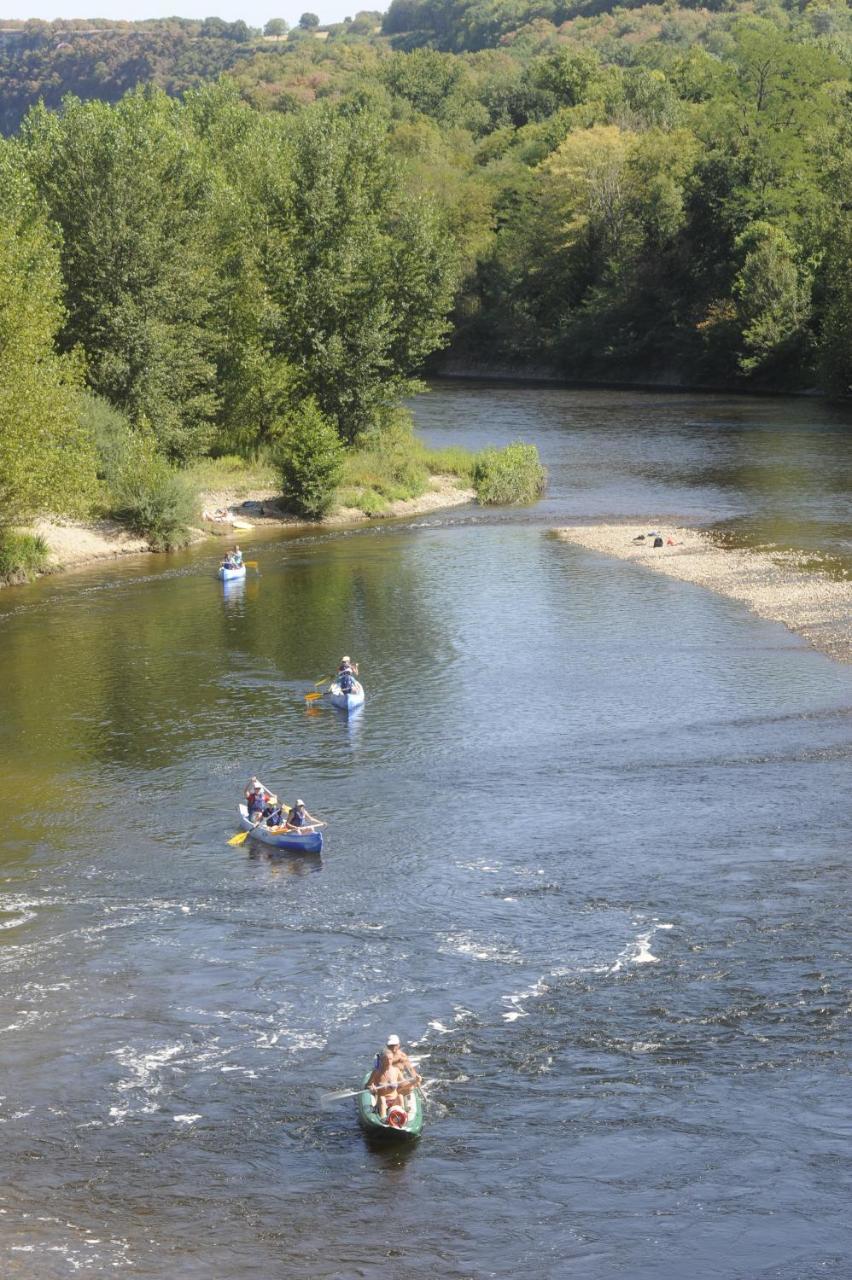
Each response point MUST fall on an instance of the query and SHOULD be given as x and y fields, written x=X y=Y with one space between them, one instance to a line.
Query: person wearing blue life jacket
x=299 y=819
x=346 y=673
x=259 y=801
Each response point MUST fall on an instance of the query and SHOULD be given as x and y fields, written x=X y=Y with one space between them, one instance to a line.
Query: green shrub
x=117 y=445
x=22 y=556
x=233 y=473
x=389 y=460
x=452 y=461
x=366 y=500
x=309 y=456
x=510 y=475
x=156 y=501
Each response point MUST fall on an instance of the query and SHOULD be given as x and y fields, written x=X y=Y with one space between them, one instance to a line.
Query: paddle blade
x=311 y=697
x=324 y=680
x=239 y=838
x=250 y=564
x=335 y=1097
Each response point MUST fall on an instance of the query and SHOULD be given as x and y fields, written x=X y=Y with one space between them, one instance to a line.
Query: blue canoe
x=229 y=575
x=346 y=701
x=311 y=842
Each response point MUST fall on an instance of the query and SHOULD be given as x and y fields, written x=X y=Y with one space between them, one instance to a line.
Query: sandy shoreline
x=772 y=583
x=75 y=544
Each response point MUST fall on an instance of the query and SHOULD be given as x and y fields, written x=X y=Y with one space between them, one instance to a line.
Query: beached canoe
x=311 y=842
x=230 y=575
x=369 y=1120
x=346 y=701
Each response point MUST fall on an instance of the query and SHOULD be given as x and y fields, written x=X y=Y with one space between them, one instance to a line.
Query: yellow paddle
x=242 y=836
x=310 y=697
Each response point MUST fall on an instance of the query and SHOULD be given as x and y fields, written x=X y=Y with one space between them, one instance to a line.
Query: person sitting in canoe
x=400 y=1059
x=233 y=559
x=384 y=1085
x=259 y=801
x=299 y=818
x=346 y=673
x=277 y=817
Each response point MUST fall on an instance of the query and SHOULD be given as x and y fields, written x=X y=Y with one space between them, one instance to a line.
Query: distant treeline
x=649 y=193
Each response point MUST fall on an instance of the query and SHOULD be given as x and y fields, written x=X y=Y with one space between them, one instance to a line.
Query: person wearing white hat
x=409 y=1076
x=299 y=818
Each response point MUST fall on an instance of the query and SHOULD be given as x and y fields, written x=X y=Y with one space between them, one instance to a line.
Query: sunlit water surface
x=587 y=848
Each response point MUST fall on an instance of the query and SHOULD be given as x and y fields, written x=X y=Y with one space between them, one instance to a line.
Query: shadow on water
x=283 y=861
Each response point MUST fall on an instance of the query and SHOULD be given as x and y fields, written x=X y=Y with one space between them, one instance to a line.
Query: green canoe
x=370 y=1122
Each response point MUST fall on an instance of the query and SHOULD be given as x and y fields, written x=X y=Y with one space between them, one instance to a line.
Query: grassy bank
x=374 y=475
x=22 y=556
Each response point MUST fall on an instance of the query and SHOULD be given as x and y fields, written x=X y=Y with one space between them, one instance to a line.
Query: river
x=587 y=848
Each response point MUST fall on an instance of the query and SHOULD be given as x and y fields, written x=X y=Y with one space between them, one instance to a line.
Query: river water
x=587 y=848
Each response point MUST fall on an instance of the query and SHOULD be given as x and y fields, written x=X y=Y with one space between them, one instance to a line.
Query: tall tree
x=129 y=194
x=46 y=458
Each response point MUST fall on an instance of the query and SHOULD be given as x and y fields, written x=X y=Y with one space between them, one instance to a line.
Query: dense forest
x=214 y=232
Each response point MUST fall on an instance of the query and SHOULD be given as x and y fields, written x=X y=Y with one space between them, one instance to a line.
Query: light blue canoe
x=230 y=575
x=311 y=842
x=346 y=701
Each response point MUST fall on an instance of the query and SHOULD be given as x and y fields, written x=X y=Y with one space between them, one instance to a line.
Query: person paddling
x=385 y=1086
x=299 y=818
x=346 y=673
x=259 y=801
x=410 y=1078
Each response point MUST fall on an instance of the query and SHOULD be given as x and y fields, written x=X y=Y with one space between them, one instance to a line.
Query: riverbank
x=75 y=544
x=550 y=377
x=781 y=586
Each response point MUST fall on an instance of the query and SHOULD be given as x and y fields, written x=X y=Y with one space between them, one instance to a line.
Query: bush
x=389 y=460
x=509 y=475
x=452 y=461
x=22 y=556
x=157 y=502
x=117 y=446
x=309 y=457
x=365 y=500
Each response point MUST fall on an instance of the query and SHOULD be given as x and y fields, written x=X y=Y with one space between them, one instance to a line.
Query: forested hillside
x=652 y=193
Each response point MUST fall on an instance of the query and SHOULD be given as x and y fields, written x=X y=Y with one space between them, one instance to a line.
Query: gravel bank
x=772 y=583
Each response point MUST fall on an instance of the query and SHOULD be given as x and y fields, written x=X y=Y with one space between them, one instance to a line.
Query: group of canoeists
x=392 y=1084
x=389 y=1101
x=263 y=807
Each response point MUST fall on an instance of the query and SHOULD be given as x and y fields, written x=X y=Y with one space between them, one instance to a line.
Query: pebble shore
x=774 y=584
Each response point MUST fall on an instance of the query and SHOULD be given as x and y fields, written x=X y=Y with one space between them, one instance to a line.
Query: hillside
x=629 y=192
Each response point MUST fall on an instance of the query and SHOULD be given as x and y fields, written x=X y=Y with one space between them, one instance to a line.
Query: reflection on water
x=587 y=848
x=751 y=463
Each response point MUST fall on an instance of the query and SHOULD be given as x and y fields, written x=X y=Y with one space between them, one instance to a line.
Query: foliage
x=46 y=456
x=117 y=446
x=510 y=475
x=156 y=501
x=649 y=191
x=309 y=455
x=232 y=473
x=123 y=187
x=22 y=556
x=773 y=297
